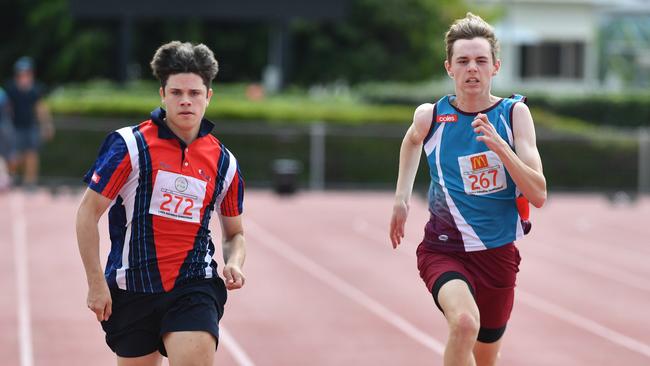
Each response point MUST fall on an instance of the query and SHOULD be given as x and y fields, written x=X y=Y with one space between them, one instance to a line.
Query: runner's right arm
x=92 y=207
x=409 y=160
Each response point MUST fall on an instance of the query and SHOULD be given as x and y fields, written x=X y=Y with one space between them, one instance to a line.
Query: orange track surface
x=324 y=286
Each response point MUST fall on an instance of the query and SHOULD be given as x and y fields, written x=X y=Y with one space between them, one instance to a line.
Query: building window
x=562 y=60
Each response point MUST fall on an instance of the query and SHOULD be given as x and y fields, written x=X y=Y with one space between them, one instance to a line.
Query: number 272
x=168 y=200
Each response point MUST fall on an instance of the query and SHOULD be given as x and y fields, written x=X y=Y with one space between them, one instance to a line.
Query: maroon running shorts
x=490 y=273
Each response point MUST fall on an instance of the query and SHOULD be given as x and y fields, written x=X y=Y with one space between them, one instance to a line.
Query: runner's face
x=471 y=66
x=185 y=98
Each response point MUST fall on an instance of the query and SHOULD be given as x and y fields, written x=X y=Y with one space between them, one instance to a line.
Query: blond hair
x=470 y=27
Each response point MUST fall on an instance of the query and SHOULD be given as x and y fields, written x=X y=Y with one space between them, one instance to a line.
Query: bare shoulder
x=94 y=202
x=423 y=112
x=422 y=117
x=521 y=110
x=523 y=128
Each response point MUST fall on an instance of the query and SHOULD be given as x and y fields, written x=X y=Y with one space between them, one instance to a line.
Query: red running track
x=324 y=286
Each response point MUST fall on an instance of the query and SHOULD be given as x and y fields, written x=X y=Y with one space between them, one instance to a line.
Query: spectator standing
x=31 y=119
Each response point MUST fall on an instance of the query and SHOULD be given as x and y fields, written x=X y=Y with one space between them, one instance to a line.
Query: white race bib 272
x=482 y=173
x=177 y=197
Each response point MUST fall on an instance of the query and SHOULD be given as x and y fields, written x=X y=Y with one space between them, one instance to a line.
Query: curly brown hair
x=177 y=57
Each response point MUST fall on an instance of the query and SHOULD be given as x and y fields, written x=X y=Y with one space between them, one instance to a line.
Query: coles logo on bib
x=446 y=118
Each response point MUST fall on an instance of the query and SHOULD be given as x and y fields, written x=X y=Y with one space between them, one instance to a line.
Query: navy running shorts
x=139 y=320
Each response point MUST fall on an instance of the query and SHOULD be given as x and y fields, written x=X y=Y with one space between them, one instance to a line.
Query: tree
x=379 y=40
x=64 y=49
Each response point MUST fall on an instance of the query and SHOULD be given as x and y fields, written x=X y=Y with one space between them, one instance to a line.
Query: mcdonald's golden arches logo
x=479 y=162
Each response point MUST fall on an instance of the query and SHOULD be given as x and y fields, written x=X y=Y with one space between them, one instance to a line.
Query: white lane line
x=583 y=247
x=582 y=322
x=592 y=267
x=306 y=264
x=578 y=261
x=19 y=228
x=542 y=305
x=234 y=348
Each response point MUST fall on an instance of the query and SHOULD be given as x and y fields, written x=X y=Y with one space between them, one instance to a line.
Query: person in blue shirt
x=31 y=119
x=6 y=141
x=482 y=156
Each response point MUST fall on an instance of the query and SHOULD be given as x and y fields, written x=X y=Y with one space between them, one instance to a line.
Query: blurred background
x=314 y=94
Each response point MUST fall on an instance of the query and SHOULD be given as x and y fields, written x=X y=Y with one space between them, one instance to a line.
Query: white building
x=553 y=43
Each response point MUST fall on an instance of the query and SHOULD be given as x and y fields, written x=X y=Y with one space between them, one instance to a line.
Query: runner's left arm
x=524 y=164
x=232 y=229
x=234 y=251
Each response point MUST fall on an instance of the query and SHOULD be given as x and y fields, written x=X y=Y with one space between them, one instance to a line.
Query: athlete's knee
x=190 y=348
x=464 y=324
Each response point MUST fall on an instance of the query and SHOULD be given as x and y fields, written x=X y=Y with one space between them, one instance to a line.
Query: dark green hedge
x=614 y=110
x=576 y=164
x=620 y=110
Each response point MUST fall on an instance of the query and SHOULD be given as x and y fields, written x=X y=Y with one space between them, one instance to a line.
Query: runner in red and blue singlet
x=160 y=293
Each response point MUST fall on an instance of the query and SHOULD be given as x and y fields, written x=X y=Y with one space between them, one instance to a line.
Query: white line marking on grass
x=19 y=227
x=235 y=349
x=306 y=264
x=591 y=326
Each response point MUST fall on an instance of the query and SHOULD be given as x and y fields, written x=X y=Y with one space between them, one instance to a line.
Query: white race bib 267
x=482 y=173
x=177 y=197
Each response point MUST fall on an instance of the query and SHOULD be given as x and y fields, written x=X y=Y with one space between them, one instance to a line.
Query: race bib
x=177 y=197
x=482 y=173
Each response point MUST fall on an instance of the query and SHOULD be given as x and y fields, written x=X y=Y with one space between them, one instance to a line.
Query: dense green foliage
x=397 y=42
x=64 y=49
x=377 y=40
